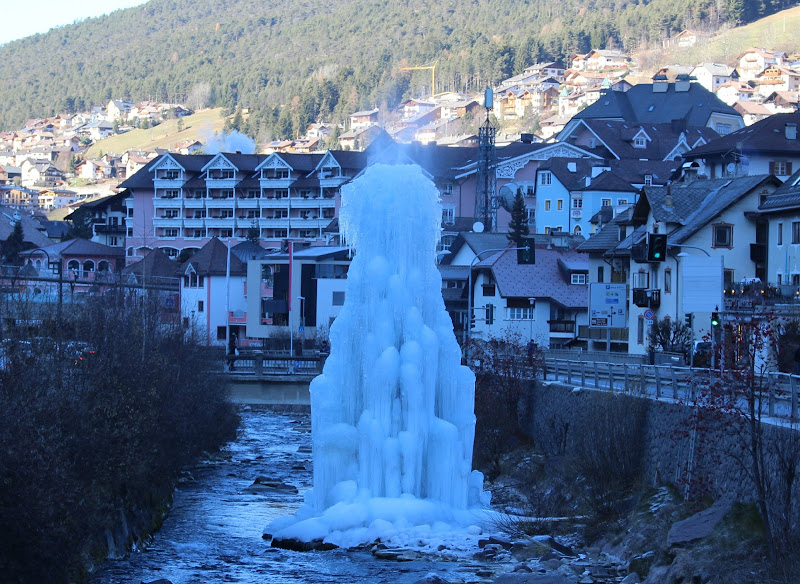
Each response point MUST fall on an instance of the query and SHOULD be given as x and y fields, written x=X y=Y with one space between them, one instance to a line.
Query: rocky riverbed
x=214 y=531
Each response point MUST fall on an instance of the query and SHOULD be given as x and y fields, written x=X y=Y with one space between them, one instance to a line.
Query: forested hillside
x=292 y=61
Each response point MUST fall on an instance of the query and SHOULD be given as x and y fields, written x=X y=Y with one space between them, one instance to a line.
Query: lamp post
x=55 y=265
x=302 y=326
x=468 y=330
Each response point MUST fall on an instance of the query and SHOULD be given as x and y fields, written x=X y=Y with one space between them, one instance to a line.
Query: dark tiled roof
x=608 y=236
x=611 y=182
x=212 y=260
x=663 y=137
x=82 y=247
x=767 y=135
x=641 y=104
x=785 y=197
x=544 y=279
x=155 y=263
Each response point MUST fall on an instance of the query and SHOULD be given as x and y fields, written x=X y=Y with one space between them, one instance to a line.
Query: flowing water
x=214 y=529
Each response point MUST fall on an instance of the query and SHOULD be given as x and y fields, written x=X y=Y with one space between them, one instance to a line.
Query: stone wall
x=705 y=455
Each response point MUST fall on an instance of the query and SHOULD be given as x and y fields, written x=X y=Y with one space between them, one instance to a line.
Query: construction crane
x=423 y=67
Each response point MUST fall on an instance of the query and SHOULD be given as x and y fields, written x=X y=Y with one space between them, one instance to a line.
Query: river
x=213 y=532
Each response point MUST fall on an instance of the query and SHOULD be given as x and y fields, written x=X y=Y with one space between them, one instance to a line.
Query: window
x=723 y=129
x=447 y=189
x=225 y=213
x=221 y=333
x=171 y=232
x=200 y=306
x=224 y=233
x=577 y=203
x=545 y=178
x=722 y=235
x=641 y=280
x=547 y=205
x=170 y=213
x=640 y=330
x=519 y=313
x=668 y=281
x=795 y=279
x=578 y=279
x=795 y=231
x=606 y=202
x=622 y=201
x=531 y=216
x=728 y=278
x=113 y=241
x=648 y=180
x=600 y=274
x=781 y=168
x=193 y=281
x=171 y=174
x=639 y=142
x=448 y=214
x=779 y=236
x=171 y=193
x=338 y=299
x=560 y=204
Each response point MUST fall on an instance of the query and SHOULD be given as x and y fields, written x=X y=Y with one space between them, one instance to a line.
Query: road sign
x=607 y=305
x=649 y=314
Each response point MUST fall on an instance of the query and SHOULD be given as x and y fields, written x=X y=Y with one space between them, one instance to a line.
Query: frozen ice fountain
x=392 y=414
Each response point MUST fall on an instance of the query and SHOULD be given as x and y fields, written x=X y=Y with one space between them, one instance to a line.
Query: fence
x=670 y=382
x=262 y=364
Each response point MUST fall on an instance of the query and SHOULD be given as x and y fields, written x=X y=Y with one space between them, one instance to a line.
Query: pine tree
x=13 y=245
x=518 y=226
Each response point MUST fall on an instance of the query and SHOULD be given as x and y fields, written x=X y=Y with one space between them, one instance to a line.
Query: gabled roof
x=30 y=227
x=82 y=247
x=608 y=237
x=544 y=279
x=212 y=260
x=765 y=136
x=695 y=204
x=155 y=264
x=641 y=104
x=786 y=197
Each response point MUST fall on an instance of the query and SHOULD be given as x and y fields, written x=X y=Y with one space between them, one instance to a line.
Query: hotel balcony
x=167 y=222
x=167 y=203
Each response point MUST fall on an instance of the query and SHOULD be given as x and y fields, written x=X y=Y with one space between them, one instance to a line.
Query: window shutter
x=789 y=168
x=771 y=168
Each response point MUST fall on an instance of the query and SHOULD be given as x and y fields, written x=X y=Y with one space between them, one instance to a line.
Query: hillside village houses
x=625 y=160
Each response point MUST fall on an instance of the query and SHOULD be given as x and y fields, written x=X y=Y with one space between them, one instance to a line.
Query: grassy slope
x=199 y=126
x=776 y=32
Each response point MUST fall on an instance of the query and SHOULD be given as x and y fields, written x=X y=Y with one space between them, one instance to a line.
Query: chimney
x=660 y=84
x=791 y=131
x=526 y=138
x=683 y=83
x=668 y=201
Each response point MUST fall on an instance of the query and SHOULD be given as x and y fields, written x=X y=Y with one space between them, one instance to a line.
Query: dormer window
x=648 y=180
x=639 y=142
x=578 y=279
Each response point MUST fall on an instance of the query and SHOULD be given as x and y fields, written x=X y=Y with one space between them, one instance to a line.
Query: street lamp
x=302 y=327
x=55 y=265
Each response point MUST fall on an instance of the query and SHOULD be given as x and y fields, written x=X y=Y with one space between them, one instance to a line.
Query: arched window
x=88 y=266
x=577 y=230
x=102 y=266
x=74 y=265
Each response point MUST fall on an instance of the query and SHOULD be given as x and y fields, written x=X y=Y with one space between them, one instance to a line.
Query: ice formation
x=392 y=413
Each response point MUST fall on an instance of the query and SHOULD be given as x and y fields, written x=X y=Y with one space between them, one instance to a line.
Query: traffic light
x=714 y=319
x=656 y=247
x=688 y=319
x=525 y=251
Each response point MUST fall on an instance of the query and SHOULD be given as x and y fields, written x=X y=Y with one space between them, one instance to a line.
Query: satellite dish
x=506 y=196
x=731 y=167
x=477 y=227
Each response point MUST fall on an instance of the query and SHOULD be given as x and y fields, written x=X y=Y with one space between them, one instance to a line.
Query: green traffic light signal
x=715 y=319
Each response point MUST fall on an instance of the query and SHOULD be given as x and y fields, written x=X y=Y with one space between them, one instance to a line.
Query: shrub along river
x=214 y=529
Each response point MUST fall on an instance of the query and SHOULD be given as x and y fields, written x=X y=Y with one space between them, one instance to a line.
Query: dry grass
x=198 y=126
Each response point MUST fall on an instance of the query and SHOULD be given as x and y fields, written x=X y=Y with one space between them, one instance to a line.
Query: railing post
x=596 y=376
x=793 y=386
x=627 y=378
x=258 y=364
x=674 y=385
x=583 y=373
x=658 y=381
x=611 y=377
x=555 y=361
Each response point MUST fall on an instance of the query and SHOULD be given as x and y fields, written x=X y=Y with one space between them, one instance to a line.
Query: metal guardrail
x=680 y=384
x=259 y=365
